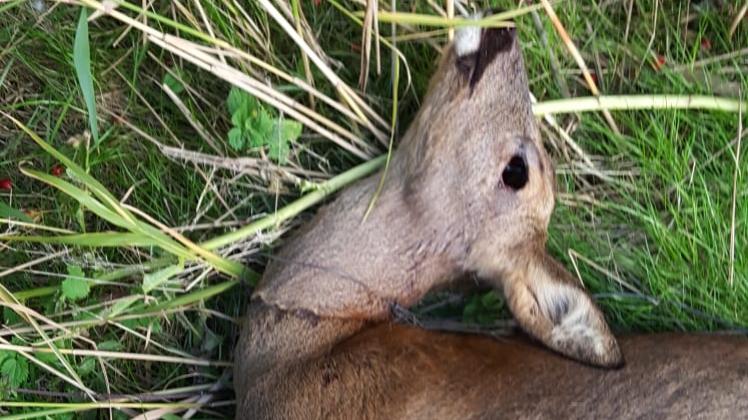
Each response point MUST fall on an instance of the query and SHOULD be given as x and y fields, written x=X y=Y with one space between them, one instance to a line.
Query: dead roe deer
x=470 y=190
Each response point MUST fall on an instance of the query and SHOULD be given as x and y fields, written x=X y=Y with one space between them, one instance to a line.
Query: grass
x=653 y=219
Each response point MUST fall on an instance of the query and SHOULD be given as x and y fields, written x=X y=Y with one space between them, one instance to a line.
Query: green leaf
x=146 y=322
x=261 y=129
x=49 y=358
x=15 y=370
x=82 y=62
x=10 y=316
x=483 y=309
x=239 y=117
x=156 y=279
x=237 y=98
x=173 y=84
x=80 y=217
x=278 y=150
x=284 y=132
x=110 y=345
x=211 y=341
x=119 y=307
x=469 y=311
x=8 y=212
x=88 y=366
x=74 y=287
x=491 y=300
x=236 y=138
x=6 y=354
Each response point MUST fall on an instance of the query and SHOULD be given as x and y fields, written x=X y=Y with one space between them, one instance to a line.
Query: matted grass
x=652 y=204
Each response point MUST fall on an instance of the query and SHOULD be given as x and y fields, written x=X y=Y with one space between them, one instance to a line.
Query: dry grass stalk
x=299 y=20
x=451 y=15
x=736 y=174
x=348 y=96
x=196 y=125
x=119 y=355
x=360 y=111
x=738 y=18
x=267 y=94
x=578 y=58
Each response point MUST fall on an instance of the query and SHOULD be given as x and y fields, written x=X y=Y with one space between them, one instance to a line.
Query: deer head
x=477 y=138
x=471 y=189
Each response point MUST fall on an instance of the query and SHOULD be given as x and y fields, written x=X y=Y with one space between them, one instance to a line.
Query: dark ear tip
x=498 y=39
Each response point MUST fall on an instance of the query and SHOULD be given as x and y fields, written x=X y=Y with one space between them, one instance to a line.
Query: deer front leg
x=549 y=305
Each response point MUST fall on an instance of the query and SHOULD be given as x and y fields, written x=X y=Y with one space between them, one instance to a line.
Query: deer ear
x=476 y=48
x=549 y=305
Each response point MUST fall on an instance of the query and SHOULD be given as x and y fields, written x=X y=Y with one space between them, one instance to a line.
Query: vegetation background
x=145 y=177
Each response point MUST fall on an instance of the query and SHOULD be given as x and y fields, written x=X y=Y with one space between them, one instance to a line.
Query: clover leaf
x=256 y=127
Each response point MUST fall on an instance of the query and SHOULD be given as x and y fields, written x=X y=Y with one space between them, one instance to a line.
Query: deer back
x=394 y=371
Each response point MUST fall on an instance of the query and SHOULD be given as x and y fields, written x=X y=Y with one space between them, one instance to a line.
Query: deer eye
x=515 y=173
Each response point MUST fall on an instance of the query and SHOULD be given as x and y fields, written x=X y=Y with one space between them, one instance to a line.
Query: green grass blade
x=93 y=240
x=191 y=250
x=123 y=218
x=9 y=6
x=636 y=102
x=111 y=276
x=82 y=62
x=303 y=203
x=90 y=182
x=393 y=130
x=138 y=228
x=120 y=307
x=156 y=279
x=82 y=197
x=43 y=414
x=196 y=296
x=9 y=298
x=27 y=294
x=9 y=212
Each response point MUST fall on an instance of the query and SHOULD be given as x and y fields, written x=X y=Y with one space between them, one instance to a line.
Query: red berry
x=317 y=2
x=57 y=170
x=6 y=184
x=706 y=43
x=660 y=62
x=593 y=76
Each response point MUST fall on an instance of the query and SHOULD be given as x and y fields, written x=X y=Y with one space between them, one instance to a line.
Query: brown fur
x=393 y=371
x=316 y=342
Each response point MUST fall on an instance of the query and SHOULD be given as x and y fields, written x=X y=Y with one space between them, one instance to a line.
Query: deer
x=469 y=191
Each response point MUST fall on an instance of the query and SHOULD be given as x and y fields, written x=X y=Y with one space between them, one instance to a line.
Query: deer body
x=470 y=190
x=389 y=371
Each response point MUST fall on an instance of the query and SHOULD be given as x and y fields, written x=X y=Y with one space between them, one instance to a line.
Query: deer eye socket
x=515 y=174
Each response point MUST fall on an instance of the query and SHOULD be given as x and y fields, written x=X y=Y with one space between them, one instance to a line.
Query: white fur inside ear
x=577 y=319
x=467 y=38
